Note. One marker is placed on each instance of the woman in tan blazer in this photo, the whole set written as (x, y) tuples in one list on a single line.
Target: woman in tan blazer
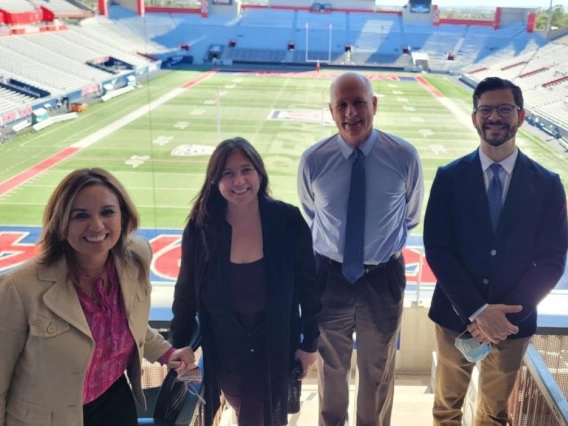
[(74, 318)]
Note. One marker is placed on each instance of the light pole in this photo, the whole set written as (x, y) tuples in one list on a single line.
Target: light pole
[(550, 9)]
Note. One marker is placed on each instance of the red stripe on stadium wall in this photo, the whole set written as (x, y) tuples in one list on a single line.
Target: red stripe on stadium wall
[(22, 177)]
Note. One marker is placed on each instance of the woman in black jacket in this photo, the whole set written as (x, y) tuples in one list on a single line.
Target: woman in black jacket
[(247, 270)]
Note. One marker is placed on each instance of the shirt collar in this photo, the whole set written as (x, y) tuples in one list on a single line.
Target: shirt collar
[(365, 147), (508, 163)]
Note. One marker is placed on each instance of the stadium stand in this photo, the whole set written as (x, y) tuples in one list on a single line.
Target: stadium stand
[(541, 74), (117, 36), (58, 6), (36, 47), (17, 6), (14, 65)]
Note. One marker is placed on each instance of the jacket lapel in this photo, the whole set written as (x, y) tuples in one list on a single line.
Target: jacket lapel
[(519, 187), (61, 298), (127, 280), (269, 223), (474, 192)]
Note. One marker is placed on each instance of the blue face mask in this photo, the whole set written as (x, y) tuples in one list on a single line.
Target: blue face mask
[(471, 349)]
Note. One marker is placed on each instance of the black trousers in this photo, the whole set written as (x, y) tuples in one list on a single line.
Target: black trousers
[(245, 395), (371, 307), (115, 407)]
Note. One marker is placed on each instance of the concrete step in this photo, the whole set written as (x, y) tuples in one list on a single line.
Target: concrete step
[(412, 403)]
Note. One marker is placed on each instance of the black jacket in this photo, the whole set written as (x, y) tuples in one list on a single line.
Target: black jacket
[(291, 286)]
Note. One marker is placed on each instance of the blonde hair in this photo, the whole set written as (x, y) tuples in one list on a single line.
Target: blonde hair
[(53, 241)]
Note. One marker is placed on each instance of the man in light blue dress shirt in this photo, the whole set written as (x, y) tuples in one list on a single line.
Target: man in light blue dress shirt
[(362, 192)]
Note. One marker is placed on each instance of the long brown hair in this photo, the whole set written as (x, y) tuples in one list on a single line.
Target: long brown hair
[(209, 206), (53, 241)]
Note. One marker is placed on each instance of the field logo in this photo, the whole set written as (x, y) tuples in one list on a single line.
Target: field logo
[(306, 116), (16, 247), (191, 150)]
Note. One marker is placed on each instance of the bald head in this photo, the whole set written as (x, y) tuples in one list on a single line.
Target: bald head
[(353, 106), (350, 78)]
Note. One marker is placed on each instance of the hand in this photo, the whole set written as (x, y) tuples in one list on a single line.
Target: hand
[(307, 359), (493, 323), (182, 360), (474, 330)]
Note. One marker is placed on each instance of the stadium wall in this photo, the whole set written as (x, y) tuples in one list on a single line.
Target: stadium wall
[(136, 6), (473, 22), (553, 34), (510, 15), (224, 9), (352, 4), (416, 18), (159, 9), (23, 18), (103, 7), (290, 3)]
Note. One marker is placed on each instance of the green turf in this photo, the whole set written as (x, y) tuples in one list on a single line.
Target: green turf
[(163, 185)]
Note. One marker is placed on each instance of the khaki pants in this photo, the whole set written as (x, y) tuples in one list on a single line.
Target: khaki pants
[(497, 375)]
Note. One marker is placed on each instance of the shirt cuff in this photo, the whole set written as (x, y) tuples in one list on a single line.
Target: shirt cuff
[(164, 358), (476, 313)]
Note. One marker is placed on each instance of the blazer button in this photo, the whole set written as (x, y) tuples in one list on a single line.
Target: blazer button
[(485, 281), (51, 329), (493, 252)]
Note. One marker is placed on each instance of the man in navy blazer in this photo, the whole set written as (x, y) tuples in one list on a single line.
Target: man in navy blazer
[(496, 237)]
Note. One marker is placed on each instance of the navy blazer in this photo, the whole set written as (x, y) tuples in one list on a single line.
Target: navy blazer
[(518, 265)]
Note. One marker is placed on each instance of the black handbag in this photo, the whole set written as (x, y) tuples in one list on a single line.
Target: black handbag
[(295, 388)]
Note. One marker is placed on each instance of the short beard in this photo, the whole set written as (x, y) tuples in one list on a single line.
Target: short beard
[(497, 142)]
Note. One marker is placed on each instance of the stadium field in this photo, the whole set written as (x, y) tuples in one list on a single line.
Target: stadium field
[(157, 139)]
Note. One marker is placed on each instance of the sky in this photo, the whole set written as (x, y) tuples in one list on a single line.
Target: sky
[(468, 3)]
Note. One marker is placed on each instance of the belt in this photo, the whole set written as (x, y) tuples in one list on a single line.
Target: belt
[(370, 268)]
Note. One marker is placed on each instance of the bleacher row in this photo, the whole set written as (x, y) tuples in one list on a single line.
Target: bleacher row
[(58, 6), (542, 74), (56, 62)]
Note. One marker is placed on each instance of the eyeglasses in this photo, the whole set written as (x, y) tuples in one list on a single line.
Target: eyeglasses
[(504, 110)]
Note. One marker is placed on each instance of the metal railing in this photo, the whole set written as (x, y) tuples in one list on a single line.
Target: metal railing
[(539, 395)]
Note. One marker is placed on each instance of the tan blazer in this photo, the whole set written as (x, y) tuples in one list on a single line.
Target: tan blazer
[(46, 344)]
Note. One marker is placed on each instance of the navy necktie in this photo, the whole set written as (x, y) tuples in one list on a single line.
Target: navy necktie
[(495, 195), (353, 263)]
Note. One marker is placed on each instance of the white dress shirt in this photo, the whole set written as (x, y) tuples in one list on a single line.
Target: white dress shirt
[(508, 165)]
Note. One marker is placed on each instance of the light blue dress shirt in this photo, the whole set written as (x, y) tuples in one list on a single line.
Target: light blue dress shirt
[(395, 190)]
